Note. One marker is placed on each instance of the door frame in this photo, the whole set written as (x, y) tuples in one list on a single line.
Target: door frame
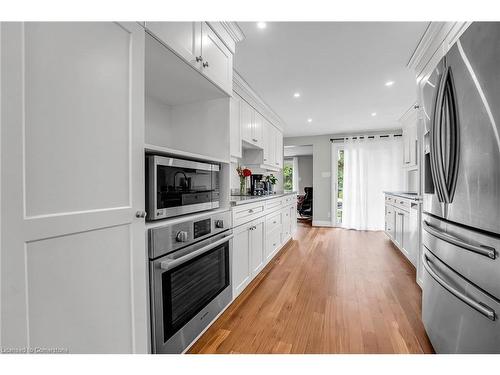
[(335, 148)]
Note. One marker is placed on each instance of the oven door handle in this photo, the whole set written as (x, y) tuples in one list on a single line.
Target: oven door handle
[(172, 263)]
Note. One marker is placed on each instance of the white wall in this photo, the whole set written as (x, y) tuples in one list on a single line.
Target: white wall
[(322, 169), (305, 171)]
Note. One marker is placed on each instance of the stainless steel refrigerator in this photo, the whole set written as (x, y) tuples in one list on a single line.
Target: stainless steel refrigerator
[(461, 220)]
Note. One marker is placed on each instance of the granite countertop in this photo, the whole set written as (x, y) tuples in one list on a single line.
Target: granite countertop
[(236, 200), (406, 195)]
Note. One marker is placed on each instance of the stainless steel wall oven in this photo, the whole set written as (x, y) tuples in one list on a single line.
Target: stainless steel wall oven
[(190, 278)]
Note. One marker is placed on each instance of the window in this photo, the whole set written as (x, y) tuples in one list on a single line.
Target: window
[(288, 175)]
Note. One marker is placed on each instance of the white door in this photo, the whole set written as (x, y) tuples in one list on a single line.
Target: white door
[(235, 136), (240, 259), (337, 183), (182, 37), (217, 62), (74, 272), (257, 245)]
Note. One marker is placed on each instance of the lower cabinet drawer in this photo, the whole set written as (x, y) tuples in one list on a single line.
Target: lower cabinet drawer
[(273, 204), (247, 213), (273, 221), (273, 242)]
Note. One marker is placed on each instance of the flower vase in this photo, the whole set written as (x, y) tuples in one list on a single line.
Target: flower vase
[(243, 186)]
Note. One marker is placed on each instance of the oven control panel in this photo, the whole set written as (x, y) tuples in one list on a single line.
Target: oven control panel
[(186, 231)]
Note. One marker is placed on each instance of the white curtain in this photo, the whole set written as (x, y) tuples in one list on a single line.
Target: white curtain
[(371, 166)]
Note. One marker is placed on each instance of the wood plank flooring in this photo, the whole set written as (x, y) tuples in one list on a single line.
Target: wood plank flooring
[(330, 291)]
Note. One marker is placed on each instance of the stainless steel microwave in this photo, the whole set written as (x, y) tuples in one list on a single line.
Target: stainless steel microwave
[(176, 187)]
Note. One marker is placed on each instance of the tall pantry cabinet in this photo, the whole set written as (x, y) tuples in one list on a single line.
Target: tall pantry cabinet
[(73, 270)]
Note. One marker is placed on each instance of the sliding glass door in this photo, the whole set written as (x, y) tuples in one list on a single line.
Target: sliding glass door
[(337, 183)]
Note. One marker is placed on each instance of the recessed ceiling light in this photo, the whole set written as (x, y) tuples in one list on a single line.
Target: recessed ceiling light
[(296, 95), (309, 120), (261, 25), (389, 83), (374, 114)]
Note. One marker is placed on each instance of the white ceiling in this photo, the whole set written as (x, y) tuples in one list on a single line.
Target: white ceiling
[(339, 68)]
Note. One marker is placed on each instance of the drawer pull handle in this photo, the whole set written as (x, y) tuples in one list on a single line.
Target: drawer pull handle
[(478, 249), (478, 306), (250, 211)]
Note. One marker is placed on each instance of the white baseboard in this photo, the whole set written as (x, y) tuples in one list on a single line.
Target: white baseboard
[(322, 223)]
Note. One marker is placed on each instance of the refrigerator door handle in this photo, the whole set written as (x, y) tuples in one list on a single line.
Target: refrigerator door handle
[(486, 251), (436, 162), (478, 306)]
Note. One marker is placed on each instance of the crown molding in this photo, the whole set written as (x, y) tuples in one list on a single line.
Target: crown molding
[(247, 93), (234, 30), (436, 41)]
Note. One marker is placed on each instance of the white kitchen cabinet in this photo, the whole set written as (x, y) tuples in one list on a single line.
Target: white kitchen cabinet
[(258, 129), (240, 268), (235, 129), (278, 155), (410, 141), (74, 263), (257, 244), (200, 46), (184, 38), (269, 144), (293, 217), (401, 227), (248, 253), (246, 121), (217, 64)]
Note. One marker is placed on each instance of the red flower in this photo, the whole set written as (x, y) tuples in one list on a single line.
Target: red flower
[(247, 172)]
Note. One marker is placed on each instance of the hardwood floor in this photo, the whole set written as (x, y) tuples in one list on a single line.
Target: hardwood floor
[(329, 291)]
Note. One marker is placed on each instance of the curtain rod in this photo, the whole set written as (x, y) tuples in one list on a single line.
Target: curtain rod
[(369, 136)]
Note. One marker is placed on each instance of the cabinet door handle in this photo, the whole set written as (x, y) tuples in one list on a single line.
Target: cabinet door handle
[(140, 214), (253, 139), (199, 58), (205, 64)]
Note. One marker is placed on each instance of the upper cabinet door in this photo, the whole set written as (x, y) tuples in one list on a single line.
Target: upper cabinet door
[(279, 149), (235, 131), (217, 62), (246, 121), (268, 143), (182, 37), (258, 129)]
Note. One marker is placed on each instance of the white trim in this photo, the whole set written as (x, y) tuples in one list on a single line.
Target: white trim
[(295, 174), (333, 184), (247, 93), (234, 30), (434, 44), (322, 223), (171, 151)]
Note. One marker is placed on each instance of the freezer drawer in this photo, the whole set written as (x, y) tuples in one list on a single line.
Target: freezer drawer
[(458, 317), (472, 254)]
